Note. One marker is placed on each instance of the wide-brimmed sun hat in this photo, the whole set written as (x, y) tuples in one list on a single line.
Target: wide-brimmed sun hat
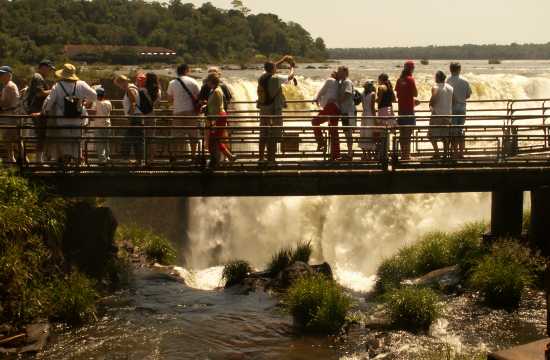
[(120, 78), (68, 72)]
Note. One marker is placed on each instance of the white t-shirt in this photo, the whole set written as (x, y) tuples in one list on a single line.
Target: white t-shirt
[(442, 99), (328, 93), (462, 92), (55, 104), (102, 108), (182, 100), (126, 103), (347, 106)]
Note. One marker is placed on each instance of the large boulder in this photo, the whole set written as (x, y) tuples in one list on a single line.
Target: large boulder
[(89, 238), (445, 279), (294, 272), (323, 269)]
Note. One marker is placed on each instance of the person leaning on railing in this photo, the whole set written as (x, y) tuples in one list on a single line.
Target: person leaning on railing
[(271, 101), (441, 103), (134, 136), (37, 93), (327, 99), (9, 100)]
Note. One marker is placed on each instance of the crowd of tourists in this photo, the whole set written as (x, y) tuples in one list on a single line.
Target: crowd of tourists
[(60, 112), (338, 101)]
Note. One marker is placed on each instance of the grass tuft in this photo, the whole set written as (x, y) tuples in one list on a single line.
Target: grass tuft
[(235, 272), (413, 308), (73, 298), (302, 252), (318, 304), (280, 260)]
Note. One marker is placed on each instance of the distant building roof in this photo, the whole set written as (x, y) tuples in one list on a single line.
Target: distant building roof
[(73, 51)]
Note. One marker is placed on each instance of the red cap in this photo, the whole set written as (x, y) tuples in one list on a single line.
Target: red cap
[(409, 63)]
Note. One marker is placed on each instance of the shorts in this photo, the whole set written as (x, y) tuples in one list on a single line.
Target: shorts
[(406, 120), (459, 120), (193, 134), (275, 120)]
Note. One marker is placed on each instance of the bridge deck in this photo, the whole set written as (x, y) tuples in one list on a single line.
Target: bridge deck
[(510, 151)]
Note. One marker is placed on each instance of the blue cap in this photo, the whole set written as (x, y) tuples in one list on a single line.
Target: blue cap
[(5, 69), (100, 91)]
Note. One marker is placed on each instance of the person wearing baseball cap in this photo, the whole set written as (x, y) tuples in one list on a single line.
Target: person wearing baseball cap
[(9, 100), (407, 94), (38, 91)]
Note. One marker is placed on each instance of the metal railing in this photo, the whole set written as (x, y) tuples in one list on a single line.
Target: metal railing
[(158, 145)]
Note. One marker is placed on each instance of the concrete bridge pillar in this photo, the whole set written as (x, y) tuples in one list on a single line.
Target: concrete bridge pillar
[(506, 213), (539, 228), (539, 235)]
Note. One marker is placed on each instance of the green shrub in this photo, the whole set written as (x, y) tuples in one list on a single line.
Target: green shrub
[(466, 246), (503, 274), (318, 304), (433, 251), (235, 272), (394, 269), (279, 261), (156, 248), (302, 252), (413, 308), (73, 298)]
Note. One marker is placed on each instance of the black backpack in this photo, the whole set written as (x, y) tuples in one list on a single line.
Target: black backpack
[(145, 103), (72, 105)]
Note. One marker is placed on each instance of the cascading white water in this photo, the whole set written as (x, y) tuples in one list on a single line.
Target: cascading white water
[(353, 234)]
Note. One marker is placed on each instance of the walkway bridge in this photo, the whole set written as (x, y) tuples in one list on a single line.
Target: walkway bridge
[(507, 148)]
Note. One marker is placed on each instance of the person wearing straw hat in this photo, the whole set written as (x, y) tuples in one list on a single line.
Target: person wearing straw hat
[(9, 100), (66, 102)]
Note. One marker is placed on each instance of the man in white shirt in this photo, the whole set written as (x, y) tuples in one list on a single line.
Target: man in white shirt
[(461, 93), (347, 106), (327, 99), (9, 100), (183, 95)]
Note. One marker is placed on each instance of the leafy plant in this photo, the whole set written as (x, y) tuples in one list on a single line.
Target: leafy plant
[(73, 298), (413, 308), (318, 304), (156, 248)]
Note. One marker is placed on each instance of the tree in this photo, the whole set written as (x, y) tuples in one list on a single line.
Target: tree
[(239, 6)]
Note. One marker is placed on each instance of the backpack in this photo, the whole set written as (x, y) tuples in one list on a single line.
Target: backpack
[(72, 105), (145, 102), (357, 97)]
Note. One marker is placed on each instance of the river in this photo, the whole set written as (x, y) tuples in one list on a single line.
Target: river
[(158, 317)]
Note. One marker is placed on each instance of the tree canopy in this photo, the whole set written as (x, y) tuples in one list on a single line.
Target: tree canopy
[(33, 29), (513, 51)]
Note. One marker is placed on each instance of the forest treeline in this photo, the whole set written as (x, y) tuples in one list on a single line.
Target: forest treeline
[(513, 51), (34, 29)]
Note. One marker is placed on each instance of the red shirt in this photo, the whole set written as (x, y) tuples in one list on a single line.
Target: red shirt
[(406, 92)]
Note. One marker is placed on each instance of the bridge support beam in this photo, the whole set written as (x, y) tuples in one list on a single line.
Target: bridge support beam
[(506, 213)]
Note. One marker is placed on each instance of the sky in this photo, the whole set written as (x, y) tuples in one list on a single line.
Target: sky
[(368, 23)]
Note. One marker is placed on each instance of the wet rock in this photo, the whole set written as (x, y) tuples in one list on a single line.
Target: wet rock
[(37, 337), (446, 279), (5, 329), (88, 241), (323, 269), (294, 272)]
